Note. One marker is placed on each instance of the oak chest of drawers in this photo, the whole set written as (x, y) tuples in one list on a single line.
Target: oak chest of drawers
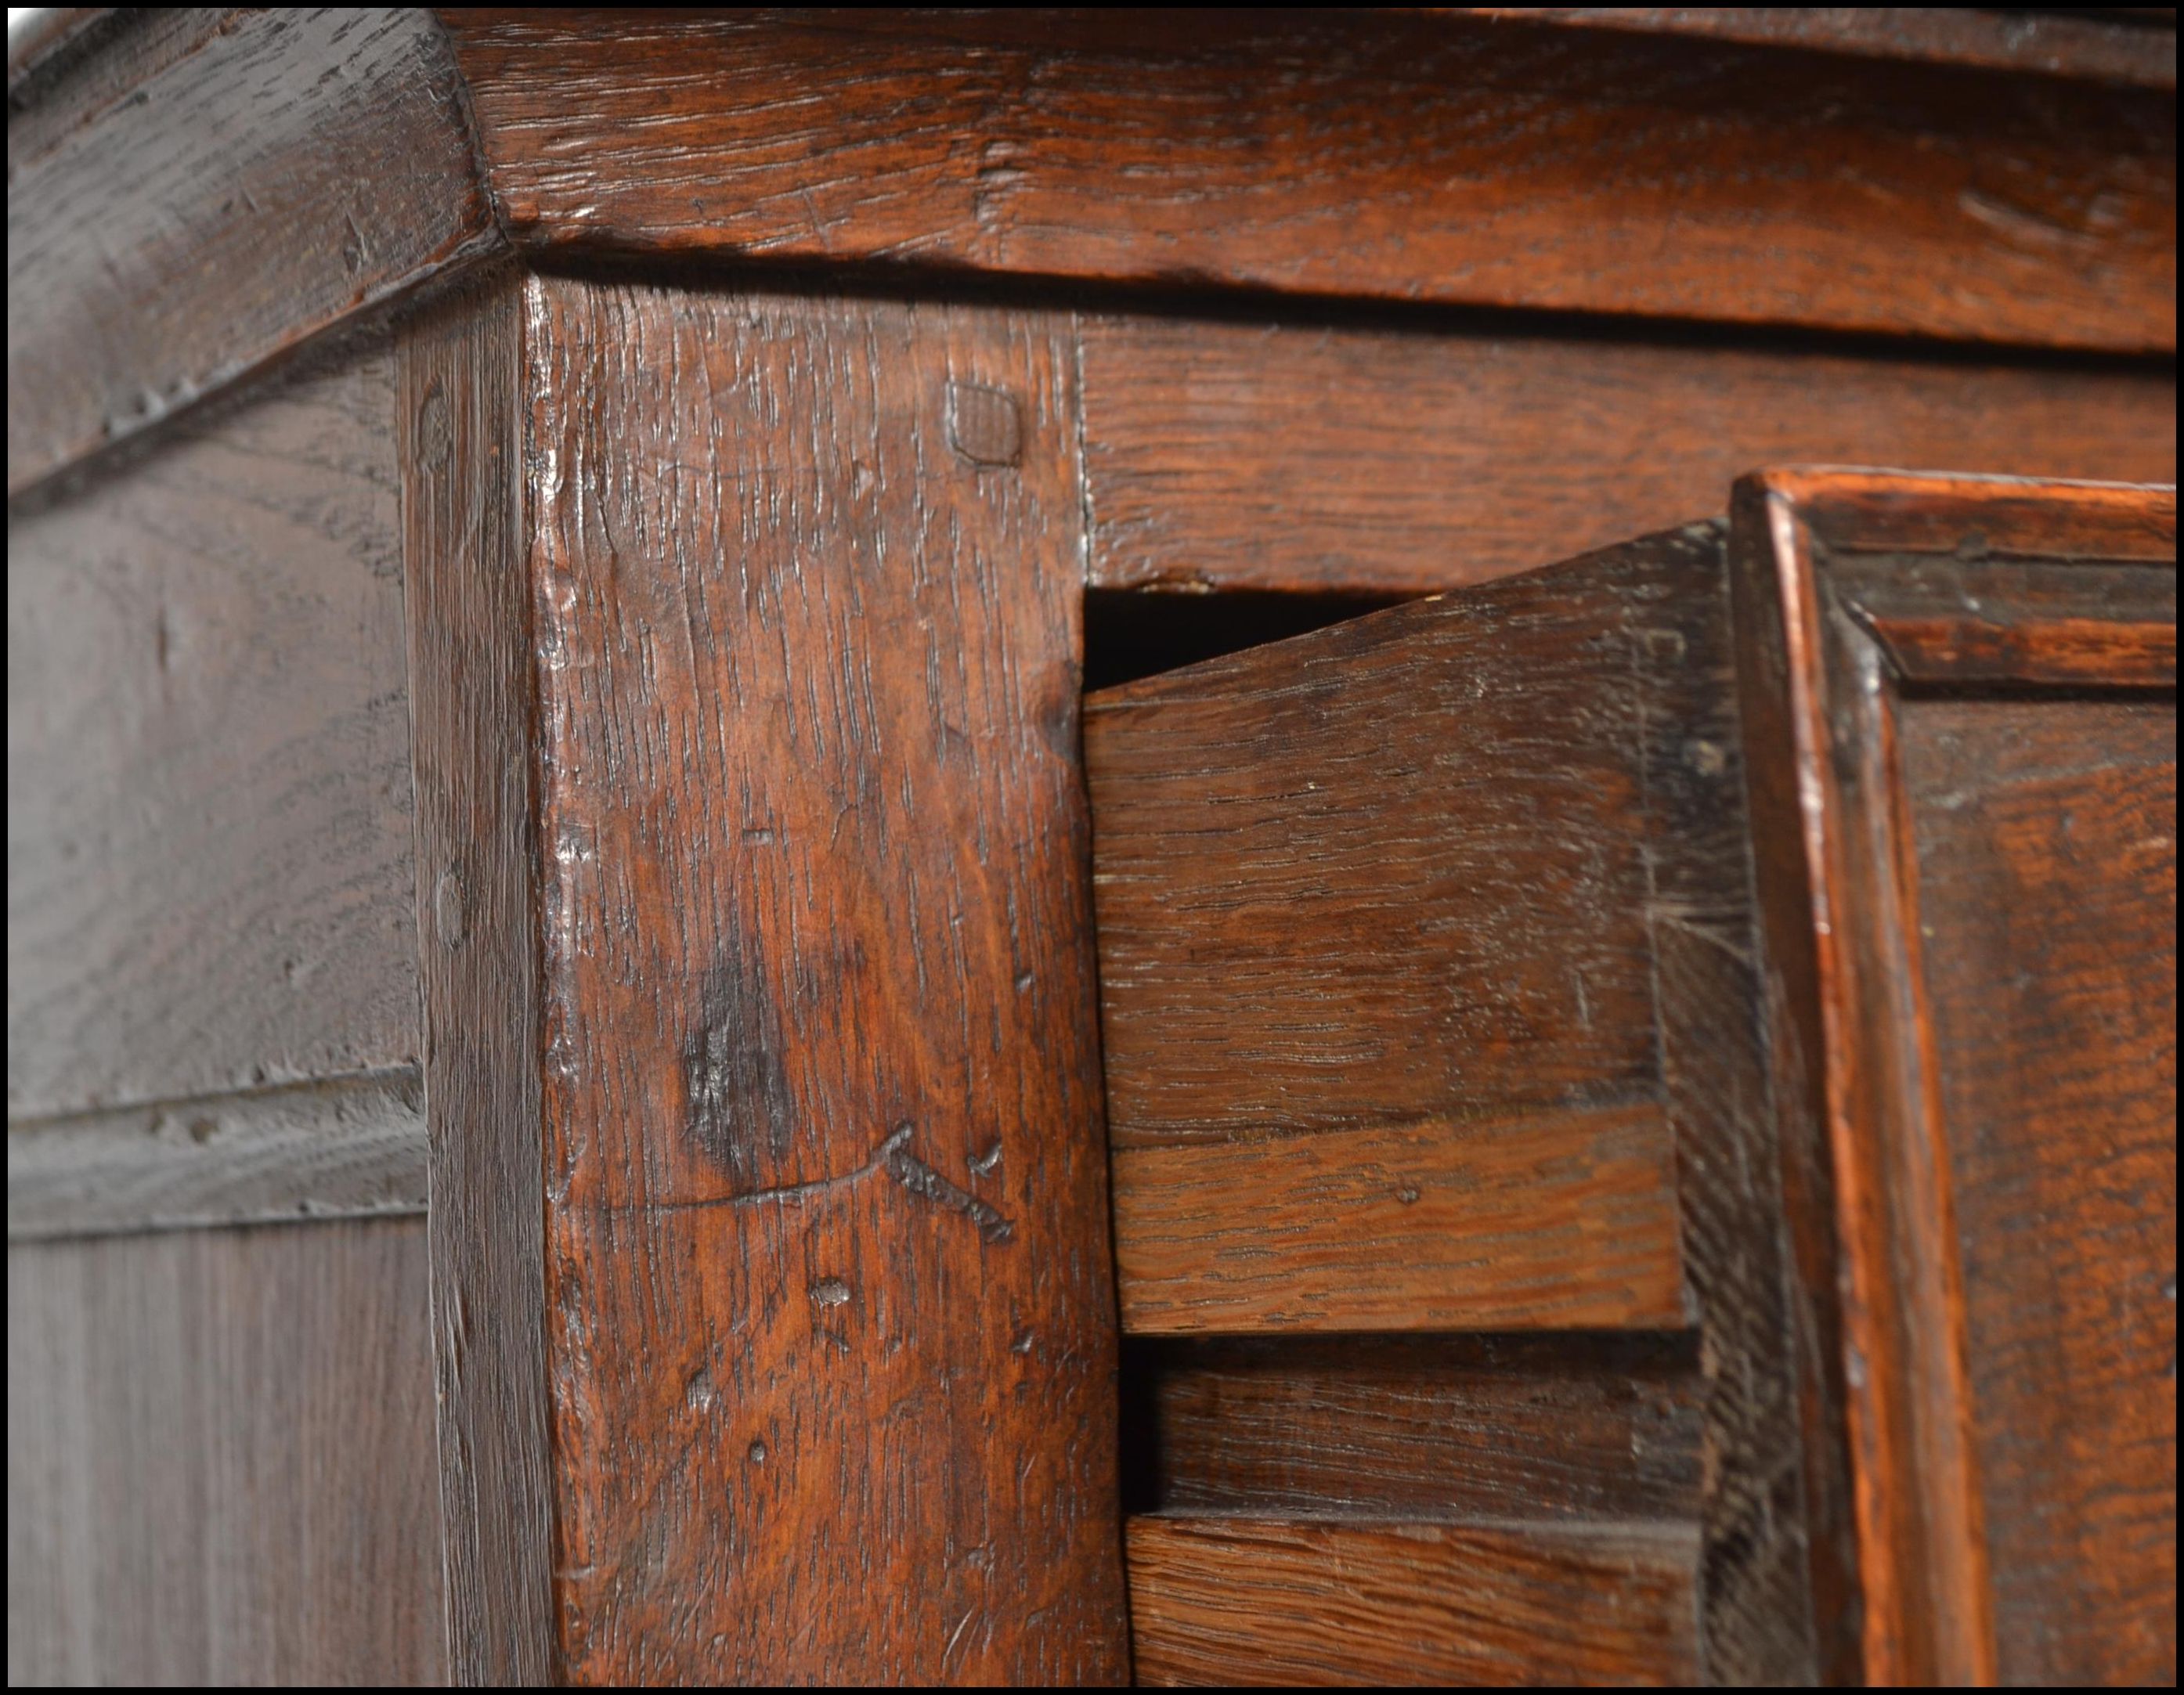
[(1023, 846)]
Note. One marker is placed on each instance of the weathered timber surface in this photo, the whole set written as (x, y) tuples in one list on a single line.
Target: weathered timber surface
[(221, 1460), (459, 422), (2046, 834), (1413, 156), (314, 161), (1709, 1000), (1418, 1429), (1981, 1257), (1387, 873), (2006, 622), (1242, 1601), (348, 1147), (1289, 457), (830, 1314), (2116, 45), (1561, 1220), (1393, 905), (208, 859), (1931, 173)]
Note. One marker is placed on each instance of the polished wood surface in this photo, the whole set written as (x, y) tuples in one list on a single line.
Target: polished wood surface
[(828, 1289), (220, 1463), (705, 457), (1561, 1220), (1257, 1601), (2045, 834), (1341, 456), (1972, 179), (1419, 156), (1997, 1211), (1430, 1004)]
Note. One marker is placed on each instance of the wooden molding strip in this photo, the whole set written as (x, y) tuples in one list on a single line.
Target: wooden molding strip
[(1412, 155), (2056, 623), (1853, 509), (349, 1148), (2097, 50), (458, 420), (321, 162), (287, 171)]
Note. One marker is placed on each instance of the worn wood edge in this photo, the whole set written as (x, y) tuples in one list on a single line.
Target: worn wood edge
[(2059, 652), (1193, 1256), (1764, 637), (1924, 1574), (1999, 622), (1451, 1570), (343, 1148), (879, 1463), (181, 257), (473, 702), (585, 222), (1920, 1183), (1911, 1496), (1755, 1611), (1784, 555), (1854, 509), (2057, 45)]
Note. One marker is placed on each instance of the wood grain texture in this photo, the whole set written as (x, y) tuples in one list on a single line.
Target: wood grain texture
[(1370, 879), (459, 419), (351, 1147), (2046, 835), (1857, 968), (1853, 511), (2109, 45), (1947, 620), (1714, 1087), (1241, 1601), (315, 161), (1444, 1428), (1564, 1221), (1379, 880), (831, 1313), (1384, 154), (219, 1460), (208, 860), (1289, 457), (94, 71)]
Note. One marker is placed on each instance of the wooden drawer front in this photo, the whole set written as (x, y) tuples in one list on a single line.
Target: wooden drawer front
[(1971, 898), (1394, 1100), (1377, 978), (1475, 1183)]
